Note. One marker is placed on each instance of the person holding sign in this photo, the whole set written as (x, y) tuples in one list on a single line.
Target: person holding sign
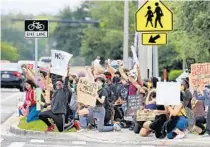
[(99, 110), (28, 109), (58, 106), (178, 122), (156, 125)]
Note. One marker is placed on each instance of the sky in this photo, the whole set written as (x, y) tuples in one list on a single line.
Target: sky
[(36, 7)]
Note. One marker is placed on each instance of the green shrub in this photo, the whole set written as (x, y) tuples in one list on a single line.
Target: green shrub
[(174, 74)]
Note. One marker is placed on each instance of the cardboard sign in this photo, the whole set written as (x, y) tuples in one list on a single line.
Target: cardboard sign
[(60, 61), (38, 98), (142, 115), (134, 104), (200, 75), (168, 93), (86, 92)]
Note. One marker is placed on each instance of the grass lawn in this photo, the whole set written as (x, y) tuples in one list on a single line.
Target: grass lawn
[(37, 125)]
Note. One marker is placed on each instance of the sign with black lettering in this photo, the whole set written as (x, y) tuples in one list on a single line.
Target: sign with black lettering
[(59, 62), (36, 28), (134, 104), (86, 92)]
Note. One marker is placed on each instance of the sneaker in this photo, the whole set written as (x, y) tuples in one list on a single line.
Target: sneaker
[(180, 136), (50, 128), (76, 125), (117, 127)]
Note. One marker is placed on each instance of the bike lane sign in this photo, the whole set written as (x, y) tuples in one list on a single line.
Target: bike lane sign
[(36, 28)]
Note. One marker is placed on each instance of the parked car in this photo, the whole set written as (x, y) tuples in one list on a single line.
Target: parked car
[(11, 76)]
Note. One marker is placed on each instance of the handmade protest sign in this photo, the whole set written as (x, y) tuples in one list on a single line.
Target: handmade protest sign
[(59, 62), (142, 115), (200, 76), (86, 92), (168, 93), (38, 98), (134, 104)]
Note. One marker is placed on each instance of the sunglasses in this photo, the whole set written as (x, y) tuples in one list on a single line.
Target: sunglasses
[(58, 84)]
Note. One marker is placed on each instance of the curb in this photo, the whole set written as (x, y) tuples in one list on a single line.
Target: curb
[(95, 138)]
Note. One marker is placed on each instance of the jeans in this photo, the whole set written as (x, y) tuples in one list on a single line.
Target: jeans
[(181, 124), (33, 114), (99, 116), (84, 120), (124, 108), (208, 121)]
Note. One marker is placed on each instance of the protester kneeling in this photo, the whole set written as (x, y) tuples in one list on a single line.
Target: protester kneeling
[(99, 110), (28, 109), (58, 107)]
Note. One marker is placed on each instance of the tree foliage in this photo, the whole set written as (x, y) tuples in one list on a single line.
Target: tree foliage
[(8, 52)]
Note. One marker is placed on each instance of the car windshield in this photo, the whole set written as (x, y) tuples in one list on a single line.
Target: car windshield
[(9, 67)]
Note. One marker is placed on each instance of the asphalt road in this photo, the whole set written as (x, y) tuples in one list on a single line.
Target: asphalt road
[(9, 100)]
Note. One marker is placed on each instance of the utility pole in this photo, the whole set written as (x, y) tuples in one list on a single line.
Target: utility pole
[(126, 32)]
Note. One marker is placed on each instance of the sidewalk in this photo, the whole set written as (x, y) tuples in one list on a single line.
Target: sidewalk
[(123, 137)]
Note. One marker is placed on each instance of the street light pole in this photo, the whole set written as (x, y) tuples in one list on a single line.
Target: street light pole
[(126, 32)]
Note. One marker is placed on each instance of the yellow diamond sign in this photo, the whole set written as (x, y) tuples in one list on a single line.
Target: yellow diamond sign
[(154, 38), (154, 16)]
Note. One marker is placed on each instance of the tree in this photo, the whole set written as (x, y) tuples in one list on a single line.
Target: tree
[(8, 52), (69, 36), (107, 39)]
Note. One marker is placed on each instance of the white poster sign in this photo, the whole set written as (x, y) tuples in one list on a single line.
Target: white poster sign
[(60, 60), (135, 58), (168, 93)]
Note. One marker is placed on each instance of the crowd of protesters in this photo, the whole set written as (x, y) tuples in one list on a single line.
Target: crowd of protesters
[(60, 107)]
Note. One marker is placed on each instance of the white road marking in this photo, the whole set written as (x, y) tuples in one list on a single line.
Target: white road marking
[(9, 97), (17, 144), (79, 142), (35, 140)]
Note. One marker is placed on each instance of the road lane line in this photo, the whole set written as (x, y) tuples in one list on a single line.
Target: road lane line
[(17, 144), (9, 97), (36, 141), (79, 142)]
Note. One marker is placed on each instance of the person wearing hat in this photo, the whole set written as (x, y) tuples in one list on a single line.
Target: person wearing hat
[(99, 109)]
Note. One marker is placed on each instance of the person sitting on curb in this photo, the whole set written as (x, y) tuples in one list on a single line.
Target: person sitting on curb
[(28, 109), (58, 106)]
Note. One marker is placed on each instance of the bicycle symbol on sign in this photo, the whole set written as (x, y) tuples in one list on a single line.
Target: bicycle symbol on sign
[(36, 25)]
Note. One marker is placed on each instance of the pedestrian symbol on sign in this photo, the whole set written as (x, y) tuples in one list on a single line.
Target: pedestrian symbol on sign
[(159, 13), (154, 16)]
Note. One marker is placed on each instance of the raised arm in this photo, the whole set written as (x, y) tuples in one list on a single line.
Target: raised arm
[(110, 69), (122, 72), (133, 81), (139, 75), (198, 97)]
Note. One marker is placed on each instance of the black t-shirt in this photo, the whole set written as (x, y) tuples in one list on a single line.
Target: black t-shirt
[(102, 92), (123, 92)]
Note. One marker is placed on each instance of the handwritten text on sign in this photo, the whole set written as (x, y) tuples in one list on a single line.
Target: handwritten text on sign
[(60, 61), (142, 115), (134, 104), (200, 75), (87, 90)]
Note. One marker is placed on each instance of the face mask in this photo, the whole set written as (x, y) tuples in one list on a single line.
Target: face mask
[(149, 84), (182, 88), (116, 79)]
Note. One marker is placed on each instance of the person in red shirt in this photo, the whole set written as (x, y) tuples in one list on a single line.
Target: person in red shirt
[(28, 109)]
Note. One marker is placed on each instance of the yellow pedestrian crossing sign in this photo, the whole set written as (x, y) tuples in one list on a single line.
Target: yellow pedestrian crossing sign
[(154, 16), (154, 38)]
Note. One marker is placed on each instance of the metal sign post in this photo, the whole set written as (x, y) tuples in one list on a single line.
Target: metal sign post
[(36, 56)]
